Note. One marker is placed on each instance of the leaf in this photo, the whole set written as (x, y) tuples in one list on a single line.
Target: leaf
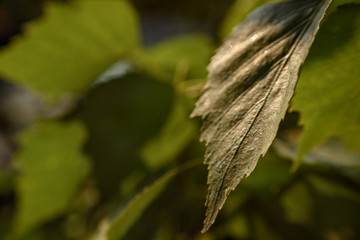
[(52, 165), (176, 134), (328, 91), (251, 80), (62, 53)]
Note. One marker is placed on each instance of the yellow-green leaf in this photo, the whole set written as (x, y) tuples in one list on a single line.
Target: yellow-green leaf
[(63, 52), (328, 95), (51, 166)]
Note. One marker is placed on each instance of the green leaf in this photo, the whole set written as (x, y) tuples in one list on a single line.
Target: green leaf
[(237, 13), (62, 53), (328, 90), (251, 80), (177, 132), (51, 167)]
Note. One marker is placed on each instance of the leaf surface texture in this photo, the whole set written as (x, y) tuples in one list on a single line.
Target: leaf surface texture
[(251, 81)]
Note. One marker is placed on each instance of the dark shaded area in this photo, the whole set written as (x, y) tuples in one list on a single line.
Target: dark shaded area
[(196, 15), (121, 115)]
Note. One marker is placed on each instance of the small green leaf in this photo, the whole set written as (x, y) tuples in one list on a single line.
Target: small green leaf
[(62, 53), (177, 132), (51, 166), (328, 92)]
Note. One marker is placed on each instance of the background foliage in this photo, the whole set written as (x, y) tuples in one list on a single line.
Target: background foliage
[(96, 142)]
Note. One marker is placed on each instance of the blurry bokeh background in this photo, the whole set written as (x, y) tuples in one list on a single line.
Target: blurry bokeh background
[(76, 155)]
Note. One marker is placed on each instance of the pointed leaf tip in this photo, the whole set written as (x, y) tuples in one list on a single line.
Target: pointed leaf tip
[(251, 81)]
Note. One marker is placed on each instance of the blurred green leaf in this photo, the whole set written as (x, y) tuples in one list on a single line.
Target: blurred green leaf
[(52, 166), (193, 52), (238, 12), (328, 89), (177, 132), (63, 52)]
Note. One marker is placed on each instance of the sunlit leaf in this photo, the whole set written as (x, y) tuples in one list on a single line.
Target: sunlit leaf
[(64, 51), (328, 92), (51, 165), (252, 78)]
